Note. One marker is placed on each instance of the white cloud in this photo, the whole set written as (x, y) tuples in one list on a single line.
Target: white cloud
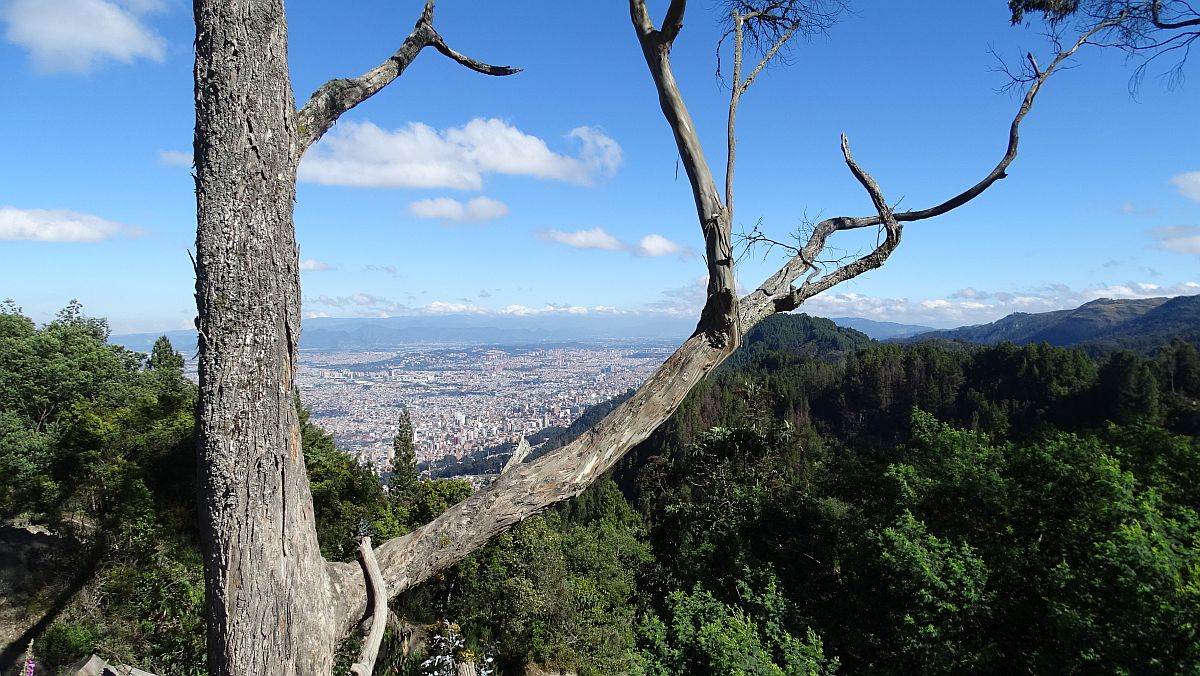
[(1184, 239), (362, 154), (600, 153), (552, 309), (657, 245), (598, 238), (59, 225), (314, 265), (439, 307), (477, 210), (175, 158), (1188, 184), (74, 35)]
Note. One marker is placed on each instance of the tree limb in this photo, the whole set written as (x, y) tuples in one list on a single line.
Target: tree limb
[(776, 293), (1156, 19), (673, 21), (718, 319), (337, 96), (379, 598), (1010, 153), (657, 54), (873, 260)]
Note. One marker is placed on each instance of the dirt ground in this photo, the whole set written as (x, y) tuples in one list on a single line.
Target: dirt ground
[(31, 559)]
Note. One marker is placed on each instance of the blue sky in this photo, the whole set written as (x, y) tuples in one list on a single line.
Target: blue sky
[(555, 190)]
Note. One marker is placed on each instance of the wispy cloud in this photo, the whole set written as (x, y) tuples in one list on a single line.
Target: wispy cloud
[(386, 269), (1131, 209), (1184, 239), (683, 301), (651, 245), (446, 209), (59, 225), (362, 154), (357, 304), (1188, 184), (314, 265), (175, 158), (75, 35)]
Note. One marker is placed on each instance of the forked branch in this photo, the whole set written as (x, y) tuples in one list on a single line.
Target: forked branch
[(777, 293), (872, 260), (1039, 78), (337, 96)]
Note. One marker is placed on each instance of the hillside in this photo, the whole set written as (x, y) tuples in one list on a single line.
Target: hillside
[(797, 334), (881, 330), (1099, 324)]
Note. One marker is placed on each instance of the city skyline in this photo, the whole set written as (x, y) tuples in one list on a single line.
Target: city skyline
[(462, 399)]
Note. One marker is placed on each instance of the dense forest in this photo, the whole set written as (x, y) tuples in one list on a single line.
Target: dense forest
[(823, 504)]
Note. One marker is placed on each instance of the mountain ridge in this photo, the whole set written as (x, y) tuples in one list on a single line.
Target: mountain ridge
[(1104, 323)]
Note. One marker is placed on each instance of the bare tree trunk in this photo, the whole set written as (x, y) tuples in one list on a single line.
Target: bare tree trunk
[(267, 591)]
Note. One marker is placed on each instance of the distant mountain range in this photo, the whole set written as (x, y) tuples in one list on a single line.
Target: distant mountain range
[(330, 333), (1104, 323), (1100, 324), (881, 330)]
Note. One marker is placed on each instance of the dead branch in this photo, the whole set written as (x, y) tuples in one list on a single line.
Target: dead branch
[(337, 96), (379, 598)]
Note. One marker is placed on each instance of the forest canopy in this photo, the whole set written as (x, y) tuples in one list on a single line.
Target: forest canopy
[(825, 505)]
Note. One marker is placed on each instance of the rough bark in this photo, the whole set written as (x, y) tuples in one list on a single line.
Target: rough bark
[(268, 592), (265, 576)]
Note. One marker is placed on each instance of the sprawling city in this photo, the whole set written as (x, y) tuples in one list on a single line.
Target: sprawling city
[(462, 399)]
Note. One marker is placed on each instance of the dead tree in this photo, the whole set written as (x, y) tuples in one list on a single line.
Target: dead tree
[(274, 605)]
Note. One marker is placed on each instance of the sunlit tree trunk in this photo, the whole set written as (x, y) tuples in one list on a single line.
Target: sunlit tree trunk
[(267, 591)]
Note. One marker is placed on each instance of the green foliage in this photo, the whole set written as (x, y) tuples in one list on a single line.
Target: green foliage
[(98, 442), (1128, 388), (1055, 10), (708, 636), (348, 499), (404, 458), (935, 595), (63, 643), (798, 335), (557, 590), (981, 539), (896, 509)]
